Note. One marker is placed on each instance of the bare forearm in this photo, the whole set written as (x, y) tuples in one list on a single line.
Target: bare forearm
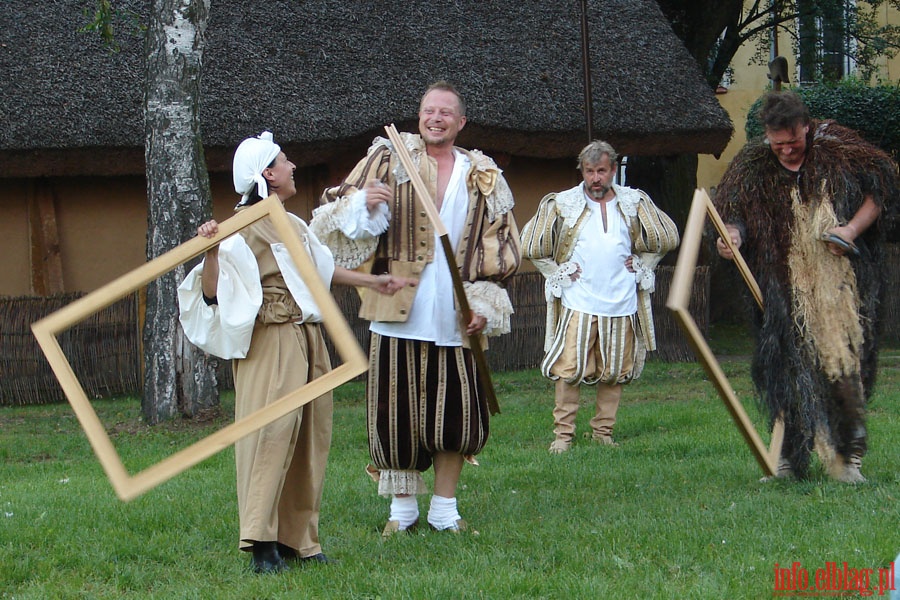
[(384, 284), (864, 217), (861, 221), (209, 277), (344, 276)]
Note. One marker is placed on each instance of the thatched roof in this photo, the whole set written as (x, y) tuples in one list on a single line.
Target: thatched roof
[(326, 75)]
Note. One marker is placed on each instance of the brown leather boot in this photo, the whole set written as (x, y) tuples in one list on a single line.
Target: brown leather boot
[(608, 397), (564, 413)]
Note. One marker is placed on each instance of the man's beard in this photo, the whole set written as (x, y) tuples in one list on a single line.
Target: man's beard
[(597, 194)]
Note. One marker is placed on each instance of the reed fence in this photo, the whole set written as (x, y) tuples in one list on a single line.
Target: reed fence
[(104, 350)]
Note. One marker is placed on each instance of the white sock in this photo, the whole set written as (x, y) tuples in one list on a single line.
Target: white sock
[(405, 510), (443, 512)]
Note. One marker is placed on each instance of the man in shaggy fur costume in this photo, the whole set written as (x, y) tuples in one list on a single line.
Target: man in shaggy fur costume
[(807, 207)]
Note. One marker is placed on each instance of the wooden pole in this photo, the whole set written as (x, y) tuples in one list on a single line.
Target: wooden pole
[(46, 261), (431, 211), (586, 71)]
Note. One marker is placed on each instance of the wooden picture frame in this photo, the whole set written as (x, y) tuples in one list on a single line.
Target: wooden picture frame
[(677, 302), (128, 486)]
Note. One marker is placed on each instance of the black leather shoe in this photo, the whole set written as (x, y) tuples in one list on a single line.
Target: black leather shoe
[(287, 553), (266, 558), (317, 558)]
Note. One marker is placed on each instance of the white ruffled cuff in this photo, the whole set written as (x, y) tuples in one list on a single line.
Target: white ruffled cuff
[(643, 274), (359, 223), (561, 278), (492, 302), (346, 227)]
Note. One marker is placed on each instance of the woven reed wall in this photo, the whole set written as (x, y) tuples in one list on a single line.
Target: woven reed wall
[(523, 347), (104, 349)]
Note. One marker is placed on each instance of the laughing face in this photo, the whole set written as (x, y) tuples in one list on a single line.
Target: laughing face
[(789, 145), (281, 177), (440, 120)]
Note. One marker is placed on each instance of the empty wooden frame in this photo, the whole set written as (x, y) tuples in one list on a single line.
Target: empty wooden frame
[(127, 486), (679, 298)]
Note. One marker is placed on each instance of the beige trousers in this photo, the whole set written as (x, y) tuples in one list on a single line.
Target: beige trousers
[(281, 467)]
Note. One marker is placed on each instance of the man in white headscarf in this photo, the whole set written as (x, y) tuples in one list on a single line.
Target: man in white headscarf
[(247, 301)]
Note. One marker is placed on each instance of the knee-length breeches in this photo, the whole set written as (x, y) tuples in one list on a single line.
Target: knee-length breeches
[(422, 399), (590, 349)]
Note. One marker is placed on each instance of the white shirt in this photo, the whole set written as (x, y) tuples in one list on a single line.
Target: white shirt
[(433, 316), (605, 287)]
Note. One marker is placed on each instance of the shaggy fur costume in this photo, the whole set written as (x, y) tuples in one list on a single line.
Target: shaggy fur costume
[(816, 351)]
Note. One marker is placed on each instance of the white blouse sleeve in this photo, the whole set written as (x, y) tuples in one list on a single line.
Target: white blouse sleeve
[(348, 229), (223, 329), (359, 223)]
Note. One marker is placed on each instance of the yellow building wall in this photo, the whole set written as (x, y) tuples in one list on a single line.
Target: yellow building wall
[(750, 81), (101, 223)]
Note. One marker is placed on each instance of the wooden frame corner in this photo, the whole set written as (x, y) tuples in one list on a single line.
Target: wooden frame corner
[(128, 486), (678, 301)]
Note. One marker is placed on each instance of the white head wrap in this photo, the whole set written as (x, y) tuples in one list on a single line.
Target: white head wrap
[(251, 158)]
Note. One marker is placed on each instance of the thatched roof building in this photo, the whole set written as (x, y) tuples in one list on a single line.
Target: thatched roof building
[(326, 75)]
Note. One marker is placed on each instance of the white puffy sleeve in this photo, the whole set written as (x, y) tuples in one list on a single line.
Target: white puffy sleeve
[(223, 329), (492, 302), (321, 258)]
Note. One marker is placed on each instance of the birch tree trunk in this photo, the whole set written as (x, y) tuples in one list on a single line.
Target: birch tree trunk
[(178, 378)]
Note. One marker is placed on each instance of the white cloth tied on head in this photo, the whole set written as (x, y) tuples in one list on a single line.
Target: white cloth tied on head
[(251, 158)]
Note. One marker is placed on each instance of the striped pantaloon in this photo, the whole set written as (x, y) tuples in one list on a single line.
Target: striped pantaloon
[(421, 399)]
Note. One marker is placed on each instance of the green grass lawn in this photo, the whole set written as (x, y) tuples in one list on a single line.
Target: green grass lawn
[(676, 512)]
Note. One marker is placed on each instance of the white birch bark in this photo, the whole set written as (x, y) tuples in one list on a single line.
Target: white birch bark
[(178, 378)]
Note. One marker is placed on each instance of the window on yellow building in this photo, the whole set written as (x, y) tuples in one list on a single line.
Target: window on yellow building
[(824, 47)]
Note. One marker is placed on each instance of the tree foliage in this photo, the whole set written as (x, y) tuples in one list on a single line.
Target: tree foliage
[(714, 30), (106, 20)]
